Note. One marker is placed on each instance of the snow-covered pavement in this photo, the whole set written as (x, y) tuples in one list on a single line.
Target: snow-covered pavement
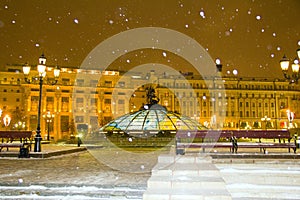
[(82, 175)]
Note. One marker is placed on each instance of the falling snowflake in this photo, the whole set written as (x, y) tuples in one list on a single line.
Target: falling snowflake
[(258, 17), (128, 61), (202, 14), (186, 26), (76, 21), (164, 54), (37, 44), (20, 181), (235, 72), (110, 21), (6, 6), (13, 21)]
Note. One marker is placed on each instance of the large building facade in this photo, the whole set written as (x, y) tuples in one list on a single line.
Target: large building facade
[(88, 99)]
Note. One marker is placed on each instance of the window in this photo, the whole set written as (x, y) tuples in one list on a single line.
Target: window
[(93, 82), (17, 100), (64, 125), (80, 82), (247, 113), (34, 98), (79, 100), (121, 101), (65, 99), (107, 101), (94, 101), (65, 81), (121, 84), (50, 99), (79, 119)]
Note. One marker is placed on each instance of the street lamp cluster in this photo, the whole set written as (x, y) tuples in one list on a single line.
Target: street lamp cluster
[(49, 118), (285, 63), (41, 68)]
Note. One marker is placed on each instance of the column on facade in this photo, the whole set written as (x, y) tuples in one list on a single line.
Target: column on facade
[(57, 110)]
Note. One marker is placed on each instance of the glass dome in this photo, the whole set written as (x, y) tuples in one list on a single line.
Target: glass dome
[(152, 119)]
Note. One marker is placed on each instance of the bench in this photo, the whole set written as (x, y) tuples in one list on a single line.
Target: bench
[(280, 135), (230, 139), (203, 139), (15, 139)]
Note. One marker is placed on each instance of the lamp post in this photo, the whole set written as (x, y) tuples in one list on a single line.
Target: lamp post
[(266, 120), (49, 117), (290, 116), (285, 63), (6, 120), (41, 68)]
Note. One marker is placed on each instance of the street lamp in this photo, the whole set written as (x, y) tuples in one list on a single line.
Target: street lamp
[(290, 116), (49, 117), (6, 120), (284, 64), (41, 68), (266, 120)]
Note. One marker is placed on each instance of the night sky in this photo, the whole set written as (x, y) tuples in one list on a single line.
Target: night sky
[(248, 35)]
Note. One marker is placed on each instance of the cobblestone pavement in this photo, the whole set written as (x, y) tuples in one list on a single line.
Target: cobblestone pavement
[(105, 175), (73, 169), (99, 173)]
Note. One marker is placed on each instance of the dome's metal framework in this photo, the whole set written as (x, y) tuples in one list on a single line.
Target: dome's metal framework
[(152, 119)]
